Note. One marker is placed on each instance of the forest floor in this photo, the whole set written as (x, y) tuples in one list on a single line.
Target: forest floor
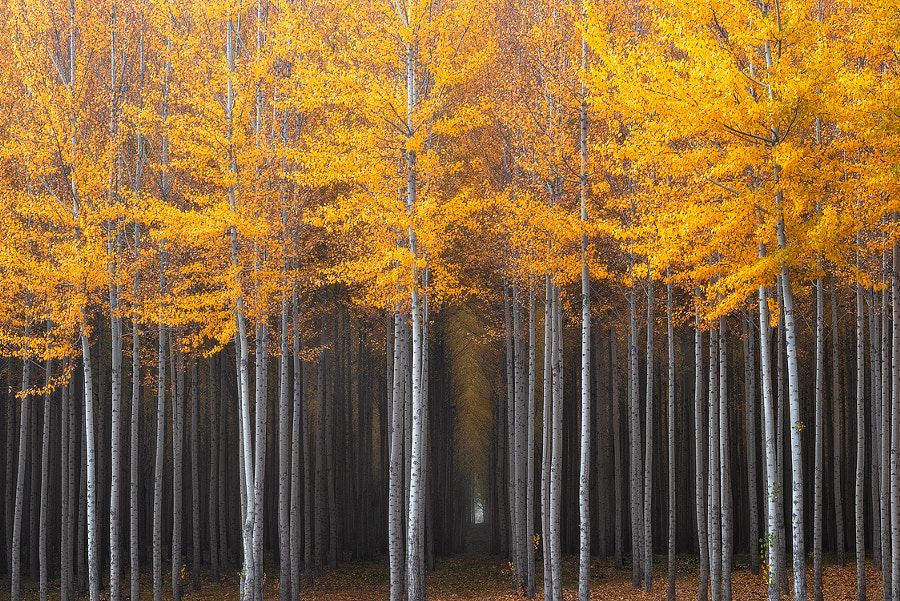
[(483, 577)]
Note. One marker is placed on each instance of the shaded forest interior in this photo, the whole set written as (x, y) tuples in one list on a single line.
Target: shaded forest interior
[(344, 378)]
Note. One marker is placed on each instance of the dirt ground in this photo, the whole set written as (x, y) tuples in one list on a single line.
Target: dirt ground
[(486, 577)]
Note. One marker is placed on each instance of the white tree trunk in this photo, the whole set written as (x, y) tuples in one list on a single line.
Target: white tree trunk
[(699, 461), (556, 457), (818, 506), (45, 493), (860, 448), (285, 580), (836, 428), (637, 472), (16, 563), (647, 554), (773, 494), (395, 496), (895, 433), (547, 438), (92, 520), (584, 559), (714, 527), (670, 420)]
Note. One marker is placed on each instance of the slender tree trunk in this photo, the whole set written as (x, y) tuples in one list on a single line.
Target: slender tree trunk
[(781, 536), (45, 480), (700, 462), (158, 464), (556, 458), (134, 467), (298, 430), (750, 409), (772, 491), (648, 449), (213, 470), (92, 519), (65, 499), (511, 434), (584, 560), (818, 506), (836, 428), (637, 471), (115, 327), (617, 447), (547, 439), (798, 547), (725, 465), (195, 482), (670, 410), (16, 572), (177, 465), (860, 447), (529, 501), (285, 580), (395, 498), (715, 467), (895, 421), (321, 518)]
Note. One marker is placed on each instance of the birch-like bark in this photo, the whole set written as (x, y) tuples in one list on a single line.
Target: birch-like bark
[(177, 463), (547, 438), (556, 457), (895, 420), (285, 580), (750, 409), (773, 493), (321, 519), (725, 465), (836, 429), (395, 496), (134, 476), (670, 410), (158, 462), (647, 554), (714, 472), (818, 505), (637, 472), (297, 439), (195, 482), (510, 431), (15, 578), (529, 501), (45, 493), (700, 461), (521, 423), (617, 447), (213, 471), (66, 465), (584, 560), (860, 447)]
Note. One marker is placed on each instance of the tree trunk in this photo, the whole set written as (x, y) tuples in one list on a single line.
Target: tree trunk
[(584, 560), (670, 410), (15, 574), (213, 470), (700, 463), (158, 464), (547, 439), (617, 446), (285, 579), (725, 465), (750, 408), (772, 491), (511, 434), (648, 449), (836, 429), (529, 501), (637, 472), (860, 447), (820, 432), (715, 480), (321, 519), (557, 450), (65, 499), (45, 480), (395, 498), (177, 464), (195, 482), (895, 434)]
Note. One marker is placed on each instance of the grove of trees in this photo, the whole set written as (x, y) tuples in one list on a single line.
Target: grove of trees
[(322, 281)]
